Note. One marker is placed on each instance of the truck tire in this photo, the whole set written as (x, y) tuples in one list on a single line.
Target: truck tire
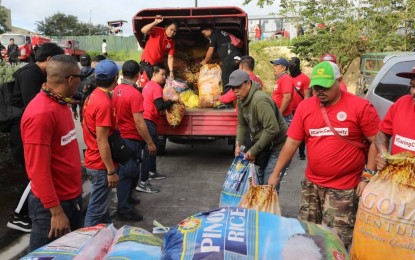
[(161, 145)]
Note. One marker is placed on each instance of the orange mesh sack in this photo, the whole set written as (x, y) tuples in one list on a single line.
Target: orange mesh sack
[(385, 220), (175, 113), (261, 197), (209, 85)]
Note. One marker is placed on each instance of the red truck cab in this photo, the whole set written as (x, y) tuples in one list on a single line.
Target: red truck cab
[(198, 123), (71, 47)]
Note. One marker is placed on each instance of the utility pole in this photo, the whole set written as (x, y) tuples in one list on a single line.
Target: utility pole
[(90, 24), (195, 3)]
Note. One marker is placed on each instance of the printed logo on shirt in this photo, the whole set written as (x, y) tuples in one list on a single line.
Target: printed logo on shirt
[(69, 137), (299, 83), (168, 46), (275, 87), (341, 116), (405, 143), (325, 131)]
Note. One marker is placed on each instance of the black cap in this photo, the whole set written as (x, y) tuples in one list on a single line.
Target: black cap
[(86, 57), (294, 61)]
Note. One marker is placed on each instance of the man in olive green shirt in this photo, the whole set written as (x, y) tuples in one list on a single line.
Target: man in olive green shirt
[(261, 127)]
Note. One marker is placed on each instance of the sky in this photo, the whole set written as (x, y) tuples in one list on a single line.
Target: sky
[(25, 13)]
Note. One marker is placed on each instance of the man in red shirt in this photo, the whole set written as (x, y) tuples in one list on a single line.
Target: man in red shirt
[(160, 41), (247, 64), (51, 152), (284, 88), (128, 105), (335, 165), (99, 123), (153, 104), (301, 92), (398, 124)]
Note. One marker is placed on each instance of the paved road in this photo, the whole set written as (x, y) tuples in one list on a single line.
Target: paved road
[(195, 177)]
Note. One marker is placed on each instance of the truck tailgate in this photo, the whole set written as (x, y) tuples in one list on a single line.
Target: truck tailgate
[(201, 122)]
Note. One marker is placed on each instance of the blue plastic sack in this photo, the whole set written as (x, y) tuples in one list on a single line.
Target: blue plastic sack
[(238, 233), (236, 182)]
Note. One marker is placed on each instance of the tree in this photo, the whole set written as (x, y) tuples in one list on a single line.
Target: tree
[(3, 19), (68, 25)]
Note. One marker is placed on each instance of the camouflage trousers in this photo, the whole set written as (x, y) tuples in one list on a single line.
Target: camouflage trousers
[(333, 208)]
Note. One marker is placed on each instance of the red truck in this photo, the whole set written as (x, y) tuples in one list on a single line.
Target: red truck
[(71, 47), (25, 42), (198, 123)]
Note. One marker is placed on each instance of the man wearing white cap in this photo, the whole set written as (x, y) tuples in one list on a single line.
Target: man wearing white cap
[(333, 124), (398, 124)]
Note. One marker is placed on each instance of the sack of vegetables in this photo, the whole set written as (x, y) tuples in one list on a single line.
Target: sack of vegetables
[(175, 114)]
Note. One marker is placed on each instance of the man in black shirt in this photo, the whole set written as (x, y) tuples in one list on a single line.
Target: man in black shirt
[(221, 42), (13, 52)]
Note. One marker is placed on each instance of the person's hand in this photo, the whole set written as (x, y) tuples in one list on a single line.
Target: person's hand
[(203, 62), (113, 180), (360, 188), (59, 223), (75, 114), (159, 19), (249, 156), (237, 150), (152, 149), (274, 180), (171, 75), (380, 162)]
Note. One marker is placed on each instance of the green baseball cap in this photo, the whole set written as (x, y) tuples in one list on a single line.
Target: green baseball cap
[(325, 74)]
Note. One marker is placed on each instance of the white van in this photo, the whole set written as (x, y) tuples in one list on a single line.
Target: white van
[(386, 87)]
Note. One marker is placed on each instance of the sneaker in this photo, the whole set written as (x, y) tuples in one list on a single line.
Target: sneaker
[(156, 176), (20, 223), (302, 157), (128, 217), (146, 187)]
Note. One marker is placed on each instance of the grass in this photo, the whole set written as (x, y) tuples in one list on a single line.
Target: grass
[(122, 55)]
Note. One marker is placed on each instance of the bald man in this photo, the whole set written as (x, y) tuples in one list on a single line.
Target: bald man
[(51, 153)]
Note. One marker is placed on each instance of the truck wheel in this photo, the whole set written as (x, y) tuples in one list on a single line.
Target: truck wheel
[(161, 145)]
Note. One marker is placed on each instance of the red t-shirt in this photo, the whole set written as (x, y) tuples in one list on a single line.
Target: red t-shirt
[(229, 96), (283, 85), (127, 101), (301, 83), (151, 92), (53, 163), (157, 46), (399, 122), (332, 162), (97, 111)]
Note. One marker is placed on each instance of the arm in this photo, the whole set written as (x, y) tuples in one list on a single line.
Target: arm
[(170, 62), (105, 153), (286, 98), (147, 28), (161, 104), (370, 164), (141, 126), (307, 93), (208, 56), (382, 143), (287, 153), (242, 132)]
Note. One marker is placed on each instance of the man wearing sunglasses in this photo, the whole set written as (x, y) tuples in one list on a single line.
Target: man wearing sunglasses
[(52, 156), (260, 124), (333, 176)]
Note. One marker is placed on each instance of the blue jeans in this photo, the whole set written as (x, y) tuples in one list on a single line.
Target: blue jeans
[(128, 175), (149, 161), (99, 200), (41, 218), (288, 119), (264, 174)]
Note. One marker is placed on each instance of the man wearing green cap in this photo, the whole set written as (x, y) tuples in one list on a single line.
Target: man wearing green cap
[(337, 159)]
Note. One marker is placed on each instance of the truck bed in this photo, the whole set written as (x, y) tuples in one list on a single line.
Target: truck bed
[(201, 122)]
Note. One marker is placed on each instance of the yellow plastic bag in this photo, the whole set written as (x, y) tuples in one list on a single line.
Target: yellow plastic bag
[(209, 85), (189, 98), (261, 197), (385, 220)]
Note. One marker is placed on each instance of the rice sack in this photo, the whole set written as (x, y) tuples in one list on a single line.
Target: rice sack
[(209, 85), (238, 233)]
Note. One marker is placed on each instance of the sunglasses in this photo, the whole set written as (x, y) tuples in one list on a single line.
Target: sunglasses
[(80, 76)]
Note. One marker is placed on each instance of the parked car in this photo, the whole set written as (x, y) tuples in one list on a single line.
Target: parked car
[(386, 87)]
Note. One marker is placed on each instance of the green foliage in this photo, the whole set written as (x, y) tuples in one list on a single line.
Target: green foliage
[(260, 3), (3, 17), (64, 25), (122, 55), (6, 72)]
